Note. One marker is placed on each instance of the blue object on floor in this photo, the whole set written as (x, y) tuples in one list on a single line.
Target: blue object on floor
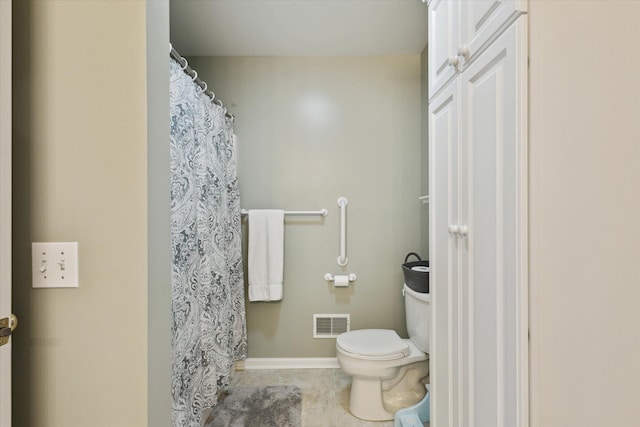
[(416, 415), (411, 420)]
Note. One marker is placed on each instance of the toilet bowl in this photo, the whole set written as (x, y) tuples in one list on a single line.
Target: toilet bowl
[(386, 370)]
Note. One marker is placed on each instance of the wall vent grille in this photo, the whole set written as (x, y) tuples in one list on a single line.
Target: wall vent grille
[(330, 325)]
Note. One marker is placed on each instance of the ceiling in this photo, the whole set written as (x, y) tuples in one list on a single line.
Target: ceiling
[(298, 27)]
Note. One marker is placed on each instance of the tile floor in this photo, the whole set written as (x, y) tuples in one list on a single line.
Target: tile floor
[(325, 394)]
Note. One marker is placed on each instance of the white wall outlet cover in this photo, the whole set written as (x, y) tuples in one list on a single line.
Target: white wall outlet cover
[(54, 264)]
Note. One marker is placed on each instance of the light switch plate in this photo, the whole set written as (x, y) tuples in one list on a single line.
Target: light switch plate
[(54, 264)]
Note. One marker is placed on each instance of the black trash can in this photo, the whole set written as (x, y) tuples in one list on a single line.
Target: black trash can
[(416, 273)]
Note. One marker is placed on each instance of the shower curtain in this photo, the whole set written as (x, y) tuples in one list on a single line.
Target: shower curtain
[(209, 327)]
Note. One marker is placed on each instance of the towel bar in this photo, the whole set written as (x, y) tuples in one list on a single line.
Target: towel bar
[(321, 212)]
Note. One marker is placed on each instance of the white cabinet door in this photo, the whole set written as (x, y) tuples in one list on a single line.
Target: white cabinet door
[(482, 19), (459, 31), (493, 98), (443, 43), (444, 204)]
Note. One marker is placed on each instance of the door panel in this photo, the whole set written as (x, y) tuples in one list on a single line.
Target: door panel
[(444, 275), (481, 19), (491, 127), (443, 42)]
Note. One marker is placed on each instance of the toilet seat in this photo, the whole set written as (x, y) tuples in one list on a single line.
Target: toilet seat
[(373, 344)]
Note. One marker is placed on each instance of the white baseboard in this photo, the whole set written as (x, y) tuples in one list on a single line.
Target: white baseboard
[(287, 363)]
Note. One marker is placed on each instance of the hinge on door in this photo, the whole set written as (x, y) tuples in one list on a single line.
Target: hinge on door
[(5, 331), (7, 325)]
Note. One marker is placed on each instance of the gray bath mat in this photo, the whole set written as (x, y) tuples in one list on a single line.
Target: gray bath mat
[(268, 406)]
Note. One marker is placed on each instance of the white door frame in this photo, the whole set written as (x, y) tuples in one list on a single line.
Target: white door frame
[(5, 205)]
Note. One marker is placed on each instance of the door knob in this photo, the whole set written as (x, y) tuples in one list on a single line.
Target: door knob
[(463, 230), (463, 51), (453, 61), (454, 229)]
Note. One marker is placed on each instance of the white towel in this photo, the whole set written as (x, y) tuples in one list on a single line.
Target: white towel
[(266, 254)]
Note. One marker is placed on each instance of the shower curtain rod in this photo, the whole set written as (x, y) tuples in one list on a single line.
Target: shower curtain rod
[(197, 80)]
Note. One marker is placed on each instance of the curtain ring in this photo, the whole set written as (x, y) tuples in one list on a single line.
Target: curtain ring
[(204, 89), (186, 64), (211, 95), (195, 76)]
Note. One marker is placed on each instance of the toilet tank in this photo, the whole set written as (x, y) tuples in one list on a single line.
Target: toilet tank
[(418, 311)]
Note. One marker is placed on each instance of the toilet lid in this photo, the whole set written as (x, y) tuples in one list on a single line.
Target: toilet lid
[(382, 344)]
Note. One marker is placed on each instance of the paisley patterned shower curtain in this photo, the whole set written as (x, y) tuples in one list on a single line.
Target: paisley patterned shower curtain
[(209, 327)]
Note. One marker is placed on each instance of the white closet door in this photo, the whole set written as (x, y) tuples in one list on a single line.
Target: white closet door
[(443, 42), (494, 128), (444, 180)]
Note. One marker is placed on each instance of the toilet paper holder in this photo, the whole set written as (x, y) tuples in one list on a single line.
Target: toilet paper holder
[(330, 277)]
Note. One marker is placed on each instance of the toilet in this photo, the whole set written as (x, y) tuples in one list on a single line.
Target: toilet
[(387, 370)]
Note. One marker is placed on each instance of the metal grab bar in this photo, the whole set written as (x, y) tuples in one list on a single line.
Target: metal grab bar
[(342, 259)]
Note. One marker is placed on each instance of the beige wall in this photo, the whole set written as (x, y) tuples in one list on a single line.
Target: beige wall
[(311, 130), (79, 68), (584, 210)]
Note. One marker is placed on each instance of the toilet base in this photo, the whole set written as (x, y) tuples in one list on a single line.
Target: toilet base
[(374, 399), (365, 400)]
